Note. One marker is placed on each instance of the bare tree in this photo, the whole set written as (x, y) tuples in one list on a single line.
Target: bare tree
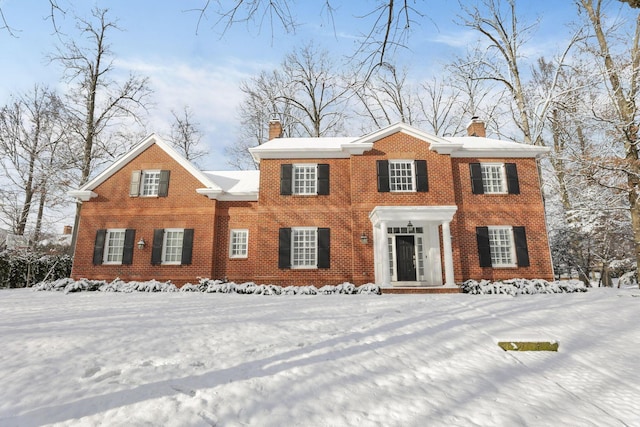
[(186, 135), (620, 71), (95, 101), (307, 94), (31, 129), (390, 22)]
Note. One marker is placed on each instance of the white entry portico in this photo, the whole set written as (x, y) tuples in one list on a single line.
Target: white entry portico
[(406, 244)]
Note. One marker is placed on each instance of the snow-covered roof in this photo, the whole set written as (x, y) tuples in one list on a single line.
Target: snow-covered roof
[(473, 146), (343, 147), (236, 185), (210, 187)]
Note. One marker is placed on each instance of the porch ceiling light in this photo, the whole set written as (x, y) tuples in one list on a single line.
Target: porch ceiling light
[(410, 228)]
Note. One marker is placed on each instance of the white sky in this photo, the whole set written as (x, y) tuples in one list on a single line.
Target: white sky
[(203, 69)]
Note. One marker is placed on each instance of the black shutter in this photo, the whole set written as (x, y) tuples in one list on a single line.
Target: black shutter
[(286, 178), (187, 246), (156, 249), (484, 248), (522, 252), (324, 248), (512, 178), (422, 180), (163, 185), (383, 175), (476, 178), (98, 247), (323, 180), (129, 243), (284, 248), (134, 187)]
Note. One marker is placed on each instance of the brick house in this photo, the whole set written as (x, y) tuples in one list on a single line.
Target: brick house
[(397, 207)]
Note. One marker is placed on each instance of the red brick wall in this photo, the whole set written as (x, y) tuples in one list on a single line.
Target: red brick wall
[(113, 208), (476, 210), (236, 215)]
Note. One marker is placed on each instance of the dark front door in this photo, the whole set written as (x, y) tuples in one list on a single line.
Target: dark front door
[(405, 261)]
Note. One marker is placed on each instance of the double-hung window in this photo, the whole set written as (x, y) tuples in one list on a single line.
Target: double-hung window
[(114, 246), (239, 244), (402, 176), (149, 183), (304, 248), (502, 246), (304, 179), (494, 178), (172, 246)]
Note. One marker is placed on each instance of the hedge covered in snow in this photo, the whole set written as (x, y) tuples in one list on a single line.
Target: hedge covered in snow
[(19, 270), (522, 286), (205, 286)]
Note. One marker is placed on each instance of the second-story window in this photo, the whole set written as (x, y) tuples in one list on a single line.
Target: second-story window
[(402, 176), (149, 183), (494, 178), (304, 179)]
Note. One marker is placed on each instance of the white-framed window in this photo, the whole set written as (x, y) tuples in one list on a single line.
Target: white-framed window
[(114, 246), (239, 244), (401, 173), (304, 247), (305, 179), (172, 246), (501, 243), (494, 179), (150, 183)]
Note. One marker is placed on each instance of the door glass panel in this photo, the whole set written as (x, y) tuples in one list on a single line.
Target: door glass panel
[(420, 256)]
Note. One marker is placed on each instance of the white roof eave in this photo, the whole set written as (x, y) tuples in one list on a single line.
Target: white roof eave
[(528, 152), (83, 195)]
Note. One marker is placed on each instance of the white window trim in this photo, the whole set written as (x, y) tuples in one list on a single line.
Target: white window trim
[(293, 179), (238, 231), (412, 175), (503, 178), (105, 253), (315, 246), (512, 246), (164, 246), (142, 178)]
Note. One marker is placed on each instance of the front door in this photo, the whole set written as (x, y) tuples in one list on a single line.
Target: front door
[(406, 259)]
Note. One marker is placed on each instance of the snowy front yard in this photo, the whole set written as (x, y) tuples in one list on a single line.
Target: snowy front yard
[(192, 359)]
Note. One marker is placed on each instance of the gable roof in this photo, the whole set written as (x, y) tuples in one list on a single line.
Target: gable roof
[(334, 147), (215, 185)]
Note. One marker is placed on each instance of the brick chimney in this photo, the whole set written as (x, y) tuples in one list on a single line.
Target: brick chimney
[(476, 127), (275, 127), (67, 229)]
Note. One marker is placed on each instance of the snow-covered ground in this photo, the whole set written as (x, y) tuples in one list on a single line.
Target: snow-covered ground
[(193, 359)]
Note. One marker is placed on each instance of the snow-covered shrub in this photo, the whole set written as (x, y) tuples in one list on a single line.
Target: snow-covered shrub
[(21, 269), (369, 288), (203, 286), (522, 286), (628, 280)]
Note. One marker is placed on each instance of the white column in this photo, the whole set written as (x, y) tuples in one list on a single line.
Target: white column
[(384, 255), (449, 280)]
